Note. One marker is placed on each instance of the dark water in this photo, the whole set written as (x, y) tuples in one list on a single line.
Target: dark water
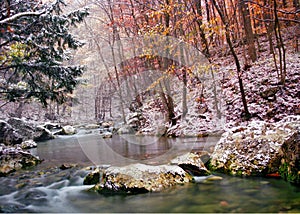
[(47, 188)]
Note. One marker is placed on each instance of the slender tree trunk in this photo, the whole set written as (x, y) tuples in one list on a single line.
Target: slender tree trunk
[(236, 60), (201, 31), (248, 30), (280, 44), (269, 29)]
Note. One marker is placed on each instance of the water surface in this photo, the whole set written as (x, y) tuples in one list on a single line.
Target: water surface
[(46, 188)]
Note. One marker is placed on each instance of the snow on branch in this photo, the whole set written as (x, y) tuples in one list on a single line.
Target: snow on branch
[(18, 15)]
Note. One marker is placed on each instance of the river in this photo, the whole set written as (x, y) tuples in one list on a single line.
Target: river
[(47, 188)]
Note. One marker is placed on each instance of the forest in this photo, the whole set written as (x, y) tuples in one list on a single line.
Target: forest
[(163, 91)]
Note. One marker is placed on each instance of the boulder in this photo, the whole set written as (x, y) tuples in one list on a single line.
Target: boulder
[(126, 129), (93, 177), (28, 144), (8, 135), (23, 127), (260, 149), (68, 130), (140, 178), (41, 133), (12, 159), (107, 124), (106, 134), (50, 126), (192, 163), (16, 130)]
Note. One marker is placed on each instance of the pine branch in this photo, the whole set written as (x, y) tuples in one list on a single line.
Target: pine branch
[(18, 15)]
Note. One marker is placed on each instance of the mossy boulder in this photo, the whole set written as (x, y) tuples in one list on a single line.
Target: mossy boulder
[(12, 159), (260, 149)]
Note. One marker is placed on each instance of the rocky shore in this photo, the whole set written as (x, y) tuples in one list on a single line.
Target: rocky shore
[(257, 149)]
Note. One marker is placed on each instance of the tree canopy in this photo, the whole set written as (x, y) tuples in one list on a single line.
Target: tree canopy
[(35, 47)]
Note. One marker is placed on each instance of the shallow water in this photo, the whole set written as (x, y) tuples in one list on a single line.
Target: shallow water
[(47, 188)]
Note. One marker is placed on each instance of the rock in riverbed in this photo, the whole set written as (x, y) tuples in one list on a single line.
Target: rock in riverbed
[(192, 163), (140, 178), (259, 149), (12, 159)]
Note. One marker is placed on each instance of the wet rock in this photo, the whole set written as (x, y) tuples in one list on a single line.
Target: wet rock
[(42, 134), (141, 178), (92, 177), (28, 144), (12, 159), (191, 163), (106, 134), (67, 166), (259, 149), (50, 126), (68, 130)]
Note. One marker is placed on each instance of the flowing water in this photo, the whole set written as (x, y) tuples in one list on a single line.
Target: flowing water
[(47, 188)]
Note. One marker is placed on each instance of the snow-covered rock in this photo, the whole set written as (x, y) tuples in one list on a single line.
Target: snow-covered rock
[(12, 159), (106, 134), (92, 126), (28, 144), (126, 129), (68, 130), (8, 135), (259, 149), (141, 178), (42, 134), (192, 163), (107, 124)]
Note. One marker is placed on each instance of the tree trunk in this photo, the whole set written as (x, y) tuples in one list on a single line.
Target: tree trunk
[(236, 60), (280, 44), (248, 29)]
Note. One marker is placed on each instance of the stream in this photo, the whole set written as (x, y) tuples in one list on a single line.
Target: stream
[(49, 187)]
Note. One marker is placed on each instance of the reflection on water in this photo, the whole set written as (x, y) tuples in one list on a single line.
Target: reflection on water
[(119, 150)]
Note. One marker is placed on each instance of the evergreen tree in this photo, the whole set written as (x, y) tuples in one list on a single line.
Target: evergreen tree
[(35, 45)]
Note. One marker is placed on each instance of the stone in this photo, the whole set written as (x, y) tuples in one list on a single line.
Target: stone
[(269, 94), (50, 126), (28, 144), (8, 135), (92, 178), (107, 124), (23, 127), (126, 129), (140, 178), (106, 135), (92, 126), (12, 159), (68, 130), (42, 133), (67, 166), (259, 149), (17, 130), (191, 162)]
